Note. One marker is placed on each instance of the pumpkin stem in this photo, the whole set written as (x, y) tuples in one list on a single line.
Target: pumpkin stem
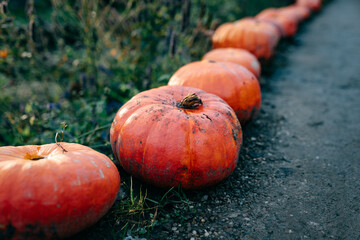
[(191, 101), (64, 150), (56, 136)]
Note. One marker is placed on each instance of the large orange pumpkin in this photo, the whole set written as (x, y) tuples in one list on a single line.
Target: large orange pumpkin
[(232, 82), (53, 191), (299, 12), (314, 5), (287, 23), (235, 55), (258, 37), (177, 135)]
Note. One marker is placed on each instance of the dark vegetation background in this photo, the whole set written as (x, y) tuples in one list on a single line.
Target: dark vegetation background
[(72, 64), (77, 62)]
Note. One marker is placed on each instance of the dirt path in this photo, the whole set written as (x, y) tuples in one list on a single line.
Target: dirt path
[(299, 177), (315, 192)]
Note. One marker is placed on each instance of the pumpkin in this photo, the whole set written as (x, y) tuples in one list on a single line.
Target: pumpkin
[(232, 82), (53, 191), (301, 13), (286, 23), (313, 5), (176, 135), (258, 37), (238, 56)]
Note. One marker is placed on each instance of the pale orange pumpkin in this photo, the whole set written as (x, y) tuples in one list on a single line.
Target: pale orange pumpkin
[(256, 36), (232, 82), (287, 23), (301, 13), (53, 191), (235, 55), (314, 5)]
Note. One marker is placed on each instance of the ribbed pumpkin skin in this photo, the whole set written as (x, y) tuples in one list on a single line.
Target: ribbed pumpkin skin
[(235, 55), (165, 145), (258, 37), (288, 24), (232, 82), (57, 196), (300, 12), (314, 5)]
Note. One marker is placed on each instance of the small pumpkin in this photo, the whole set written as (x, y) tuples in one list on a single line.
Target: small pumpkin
[(53, 191), (301, 13), (176, 135), (287, 23), (313, 5), (232, 82), (238, 56), (258, 37)]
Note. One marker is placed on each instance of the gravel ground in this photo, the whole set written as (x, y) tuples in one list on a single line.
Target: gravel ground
[(299, 171)]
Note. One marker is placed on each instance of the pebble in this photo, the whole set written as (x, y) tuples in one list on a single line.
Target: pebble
[(134, 238), (234, 215), (313, 223), (205, 198), (120, 195)]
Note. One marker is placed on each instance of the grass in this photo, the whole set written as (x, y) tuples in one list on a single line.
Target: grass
[(137, 214)]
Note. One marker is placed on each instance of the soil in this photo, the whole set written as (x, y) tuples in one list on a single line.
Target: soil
[(298, 175)]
